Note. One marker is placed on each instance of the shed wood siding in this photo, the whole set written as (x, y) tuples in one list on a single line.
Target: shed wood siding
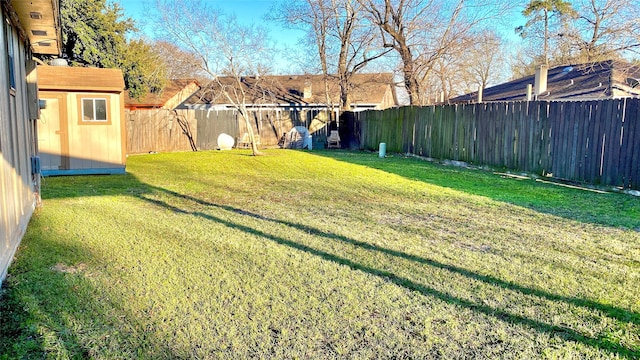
[(70, 144), (81, 145)]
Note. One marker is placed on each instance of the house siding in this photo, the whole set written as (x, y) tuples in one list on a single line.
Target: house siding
[(17, 134)]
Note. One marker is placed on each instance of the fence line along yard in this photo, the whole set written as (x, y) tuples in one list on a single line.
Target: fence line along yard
[(161, 130), (595, 142)]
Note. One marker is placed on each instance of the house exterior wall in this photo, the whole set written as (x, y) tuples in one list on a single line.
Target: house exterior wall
[(388, 100), (18, 187), (70, 144), (181, 96)]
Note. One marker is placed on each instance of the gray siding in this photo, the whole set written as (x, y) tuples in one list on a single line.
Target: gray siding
[(17, 139)]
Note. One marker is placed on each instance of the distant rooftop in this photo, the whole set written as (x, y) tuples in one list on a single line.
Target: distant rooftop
[(368, 89), (593, 81), (173, 94)]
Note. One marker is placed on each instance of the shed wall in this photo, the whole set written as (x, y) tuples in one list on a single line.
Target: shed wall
[(69, 145)]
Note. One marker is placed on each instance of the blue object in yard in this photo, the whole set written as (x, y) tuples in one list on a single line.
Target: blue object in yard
[(308, 142), (383, 150)]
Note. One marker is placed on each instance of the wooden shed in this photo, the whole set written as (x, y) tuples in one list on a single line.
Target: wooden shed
[(81, 130)]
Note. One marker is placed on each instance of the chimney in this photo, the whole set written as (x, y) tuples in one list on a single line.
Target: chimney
[(540, 83), (307, 89), (479, 94)]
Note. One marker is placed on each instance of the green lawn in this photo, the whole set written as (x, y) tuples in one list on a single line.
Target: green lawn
[(322, 255)]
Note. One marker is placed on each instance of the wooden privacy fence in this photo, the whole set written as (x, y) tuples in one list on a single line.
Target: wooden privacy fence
[(596, 142), (270, 124), (161, 130)]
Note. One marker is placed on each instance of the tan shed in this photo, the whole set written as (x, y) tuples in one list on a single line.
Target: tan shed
[(81, 130)]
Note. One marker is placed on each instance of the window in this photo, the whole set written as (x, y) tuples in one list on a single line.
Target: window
[(94, 110), (11, 55)]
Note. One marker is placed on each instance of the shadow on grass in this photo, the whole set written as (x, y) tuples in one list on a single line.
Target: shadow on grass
[(47, 302), (563, 332), (608, 209)]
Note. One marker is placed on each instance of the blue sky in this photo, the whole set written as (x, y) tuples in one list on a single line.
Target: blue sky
[(250, 11), (246, 10), (255, 11)]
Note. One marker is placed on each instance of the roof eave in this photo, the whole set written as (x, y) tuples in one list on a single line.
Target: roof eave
[(38, 21)]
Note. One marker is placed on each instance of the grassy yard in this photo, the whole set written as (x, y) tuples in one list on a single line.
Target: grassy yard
[(322, 255)]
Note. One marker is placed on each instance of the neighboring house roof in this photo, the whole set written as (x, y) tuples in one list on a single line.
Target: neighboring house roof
[(172, 95), (601, 80), (80, 79), (369, 90), (40, 22)]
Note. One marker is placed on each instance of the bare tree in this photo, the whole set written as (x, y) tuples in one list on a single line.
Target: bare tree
[(422, 32), (312, 17), (598, 30), (180, 64), (483, 60), (227, 51), (343, 40), (605, 29)]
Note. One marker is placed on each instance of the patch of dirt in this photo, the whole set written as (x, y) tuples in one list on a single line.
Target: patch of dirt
[(63, 268), (481, 248)]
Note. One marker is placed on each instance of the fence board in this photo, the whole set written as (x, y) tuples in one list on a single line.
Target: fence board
[(634, 182), (614, 175), (594, 143), (485, 128), (572, 139), (582, 117), (558, 136), (603, 139), (510, 139), (627, 148), (630, 136), (491, 144)]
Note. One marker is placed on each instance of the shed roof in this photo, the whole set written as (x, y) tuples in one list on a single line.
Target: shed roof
[(80, 79), (591, 81)]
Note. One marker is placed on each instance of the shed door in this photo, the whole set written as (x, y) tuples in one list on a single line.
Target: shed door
[(53, 134)]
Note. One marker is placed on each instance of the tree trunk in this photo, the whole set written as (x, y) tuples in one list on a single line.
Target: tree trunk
[(410, 77), (252, 138), (345, 99), (546, 37)]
